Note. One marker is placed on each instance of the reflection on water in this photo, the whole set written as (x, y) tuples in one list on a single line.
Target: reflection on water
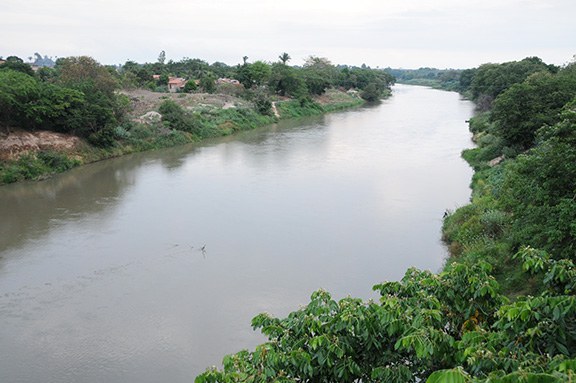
[(149, 267)]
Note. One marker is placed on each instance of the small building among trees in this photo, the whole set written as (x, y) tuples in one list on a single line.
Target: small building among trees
[(176, 84)]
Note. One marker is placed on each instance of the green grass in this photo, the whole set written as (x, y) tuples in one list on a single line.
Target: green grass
[(36, 166)]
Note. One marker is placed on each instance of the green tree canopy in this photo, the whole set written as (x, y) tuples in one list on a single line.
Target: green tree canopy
[(540, 189), (17, 90), (29, 104), (427, 327), (527, 106), (254, 75), (15, 63), (103, 107), (85, 71), (319, 74), (490, 80), (285, 81), (284, 58), (208, 82)]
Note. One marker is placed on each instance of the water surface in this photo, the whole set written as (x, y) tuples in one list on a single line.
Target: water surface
[(102, 273)]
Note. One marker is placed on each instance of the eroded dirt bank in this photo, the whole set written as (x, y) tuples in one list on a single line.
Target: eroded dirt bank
[(15, 142)]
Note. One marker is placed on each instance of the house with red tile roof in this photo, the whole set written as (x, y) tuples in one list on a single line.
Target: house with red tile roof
[(176, 84)]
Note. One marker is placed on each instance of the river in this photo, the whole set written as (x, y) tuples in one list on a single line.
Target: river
[(149, 267)]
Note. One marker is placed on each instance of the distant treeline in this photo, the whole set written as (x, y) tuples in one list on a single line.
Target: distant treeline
[(278, 78), (78, 94), (447, 79)]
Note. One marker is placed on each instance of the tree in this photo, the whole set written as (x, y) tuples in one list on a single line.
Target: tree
[(103, 107), (17, 89), (284, 57), (208, 83), (492, 79), (284, 80), (255, 74), (525, 107), (46, 74), (175, 117), (17, 64), (14, 59), (454, 325), (262, 102), (465, 79), (539, 189), (163, 79), (220, 69), (55, 108), (371, 93), (318, 74), (162, 58), (85, 71), (190, 86), (29, 104)]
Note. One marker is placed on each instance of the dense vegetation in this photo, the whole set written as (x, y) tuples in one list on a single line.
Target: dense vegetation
[(313, 78), (81, 97), (524, 186), (447, 79), (455, 326), (78, 97), (473, 322)]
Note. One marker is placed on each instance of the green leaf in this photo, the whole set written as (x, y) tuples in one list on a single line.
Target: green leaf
[(562, 348), (556, 313), (456, 375)]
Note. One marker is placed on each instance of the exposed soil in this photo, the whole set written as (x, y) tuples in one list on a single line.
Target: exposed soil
[(144, 101), (14, 143)]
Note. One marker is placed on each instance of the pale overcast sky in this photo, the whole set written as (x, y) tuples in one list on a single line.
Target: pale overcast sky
[(379, 33)]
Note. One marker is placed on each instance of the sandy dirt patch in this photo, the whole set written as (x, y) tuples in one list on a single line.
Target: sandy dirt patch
[(144, 101), (15, 143)]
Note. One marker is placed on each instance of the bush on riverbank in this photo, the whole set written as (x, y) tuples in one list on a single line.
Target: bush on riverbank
[(36, 165)]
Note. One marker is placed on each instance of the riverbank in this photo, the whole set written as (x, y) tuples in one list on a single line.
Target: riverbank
[(37, 155), (493, 228)]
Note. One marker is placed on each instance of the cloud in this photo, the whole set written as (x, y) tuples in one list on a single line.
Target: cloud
[(379, 33)]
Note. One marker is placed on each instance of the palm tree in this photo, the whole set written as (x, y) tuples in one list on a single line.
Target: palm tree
[(284, 57)]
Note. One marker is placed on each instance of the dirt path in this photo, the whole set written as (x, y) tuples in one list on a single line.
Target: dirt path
[(275, 110)]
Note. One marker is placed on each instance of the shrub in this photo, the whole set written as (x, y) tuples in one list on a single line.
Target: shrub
[(494, 222), (103, 138), (263, 105), (58, 162)]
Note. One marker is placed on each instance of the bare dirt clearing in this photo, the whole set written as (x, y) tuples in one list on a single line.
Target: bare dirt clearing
[(15, 143), (144, 101)]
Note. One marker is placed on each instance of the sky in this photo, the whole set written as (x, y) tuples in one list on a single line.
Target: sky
[(378, 33)]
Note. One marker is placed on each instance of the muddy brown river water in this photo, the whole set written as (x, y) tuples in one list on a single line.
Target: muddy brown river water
[(149, 267)]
